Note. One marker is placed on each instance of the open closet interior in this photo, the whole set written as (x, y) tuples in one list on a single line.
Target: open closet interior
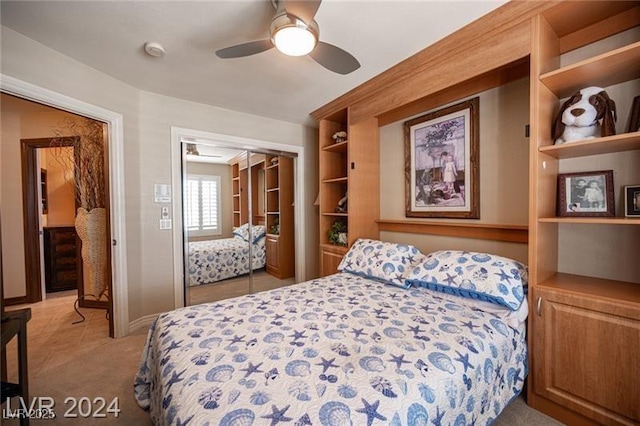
[(238, 220)]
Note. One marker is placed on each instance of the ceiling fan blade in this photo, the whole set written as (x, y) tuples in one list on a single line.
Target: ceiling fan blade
[(334, 59), (303, 9), (245, 49)]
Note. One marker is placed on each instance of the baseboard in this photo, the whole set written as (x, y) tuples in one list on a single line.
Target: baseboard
[(10, 301), (142, 322)]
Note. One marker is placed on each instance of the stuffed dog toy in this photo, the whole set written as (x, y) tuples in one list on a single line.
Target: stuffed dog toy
[(580, 116)]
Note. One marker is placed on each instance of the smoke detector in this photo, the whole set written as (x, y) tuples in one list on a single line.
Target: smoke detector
[(154, 49)]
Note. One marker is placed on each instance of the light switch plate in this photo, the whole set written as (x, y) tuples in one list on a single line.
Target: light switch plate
[(165, 223)]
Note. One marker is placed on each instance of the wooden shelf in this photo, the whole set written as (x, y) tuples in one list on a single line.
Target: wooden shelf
[(336, 180), (273, 189), (606, 145), (272, 166), (336, 214), (591, 220), (335, 248), (337, 147), (483, 231), (620, 291), (604, 70)]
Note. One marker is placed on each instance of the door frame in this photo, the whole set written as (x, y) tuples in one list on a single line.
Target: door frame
[(114, 121), (178, 163), (31, 211)]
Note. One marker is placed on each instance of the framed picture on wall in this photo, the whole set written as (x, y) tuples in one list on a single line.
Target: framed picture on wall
[(634, 120), (586, 194), (442, 163), (632, 201)]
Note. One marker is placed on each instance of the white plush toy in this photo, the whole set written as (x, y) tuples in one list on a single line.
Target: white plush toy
[(579, 117)]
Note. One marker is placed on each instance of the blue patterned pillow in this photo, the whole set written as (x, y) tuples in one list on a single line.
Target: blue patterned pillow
[(242, 231), (381, 261), (473, 275)]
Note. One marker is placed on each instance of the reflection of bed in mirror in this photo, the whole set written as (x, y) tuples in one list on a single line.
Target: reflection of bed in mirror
[(215, 260)]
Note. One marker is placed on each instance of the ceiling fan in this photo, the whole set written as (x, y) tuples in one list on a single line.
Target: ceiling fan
[(192, 149), (294, 32)]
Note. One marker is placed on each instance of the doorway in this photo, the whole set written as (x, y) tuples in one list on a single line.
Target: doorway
[(49, 204), (16, 90)]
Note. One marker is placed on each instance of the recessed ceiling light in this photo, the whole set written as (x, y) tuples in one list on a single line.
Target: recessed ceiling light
[(154, 49)]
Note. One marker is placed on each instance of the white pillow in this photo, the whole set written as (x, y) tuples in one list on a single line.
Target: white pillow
[(473, 275), (381, 261)]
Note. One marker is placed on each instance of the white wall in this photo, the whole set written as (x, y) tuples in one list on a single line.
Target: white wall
[(60, 194), (148, 119), (504, 172), (21, 122), (13, 270)]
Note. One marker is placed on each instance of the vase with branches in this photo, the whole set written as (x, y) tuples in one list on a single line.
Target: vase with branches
[(86, 169)]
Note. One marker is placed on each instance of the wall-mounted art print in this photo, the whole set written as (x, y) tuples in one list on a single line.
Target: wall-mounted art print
[(586, 194), (442, 163)]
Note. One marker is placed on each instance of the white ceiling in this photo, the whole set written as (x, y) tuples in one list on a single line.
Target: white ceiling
[(109, 36), (213, 154)]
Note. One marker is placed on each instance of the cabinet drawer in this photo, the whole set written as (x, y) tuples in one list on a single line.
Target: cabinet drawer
[(66, 236)]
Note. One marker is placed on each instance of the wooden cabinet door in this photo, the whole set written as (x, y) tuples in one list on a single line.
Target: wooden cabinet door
[(329, 261), (587, 355), (273, 255)]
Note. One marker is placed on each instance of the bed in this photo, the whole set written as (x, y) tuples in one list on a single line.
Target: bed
[(356, 347), (215, 260)]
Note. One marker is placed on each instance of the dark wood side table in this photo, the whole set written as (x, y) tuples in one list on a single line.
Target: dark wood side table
[(14, 324)]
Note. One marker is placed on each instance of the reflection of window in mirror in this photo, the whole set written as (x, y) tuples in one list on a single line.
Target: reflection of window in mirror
[(222, 187)]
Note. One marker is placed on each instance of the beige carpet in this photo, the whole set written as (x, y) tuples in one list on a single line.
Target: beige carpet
[(67, 360), (234, 287)]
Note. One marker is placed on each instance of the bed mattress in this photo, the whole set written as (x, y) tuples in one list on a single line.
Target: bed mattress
[(337, 350)]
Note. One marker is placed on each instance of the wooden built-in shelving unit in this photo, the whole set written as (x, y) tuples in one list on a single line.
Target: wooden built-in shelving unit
[(280, 246), (584, 330), (347, 167), (574, 315)]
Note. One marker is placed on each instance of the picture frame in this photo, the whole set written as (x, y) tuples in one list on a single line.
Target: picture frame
[(442, 171), (586, 194), (634, 118), (632, 201)]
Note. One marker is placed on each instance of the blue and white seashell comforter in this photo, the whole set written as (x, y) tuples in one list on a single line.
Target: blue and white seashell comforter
[(215, 260), (333, 351)]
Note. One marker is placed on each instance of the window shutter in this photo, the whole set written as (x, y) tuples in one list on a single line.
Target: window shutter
[(202, 204)]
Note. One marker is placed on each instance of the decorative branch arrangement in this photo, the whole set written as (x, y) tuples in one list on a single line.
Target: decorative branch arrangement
[(87, 168)]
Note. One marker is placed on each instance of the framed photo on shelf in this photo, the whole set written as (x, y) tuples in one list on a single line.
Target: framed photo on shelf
[(632, 201), (442, 163), (634, 119), (586, 194)]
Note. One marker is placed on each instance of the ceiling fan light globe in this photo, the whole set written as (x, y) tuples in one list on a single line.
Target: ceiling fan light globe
[(294, 41)]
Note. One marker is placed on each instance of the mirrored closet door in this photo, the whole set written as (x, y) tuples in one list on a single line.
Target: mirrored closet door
[(238, 220)]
